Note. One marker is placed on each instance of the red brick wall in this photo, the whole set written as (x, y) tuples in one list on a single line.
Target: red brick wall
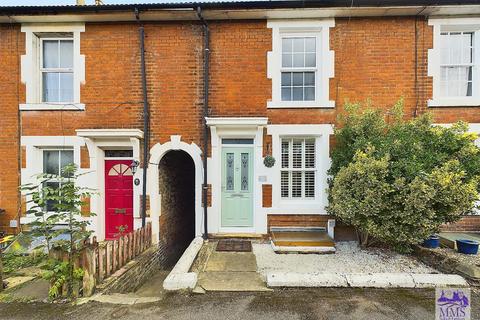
[(297, 220), (468, 223), (10, 91), (374, 59), (238, 72), (267, 195), (112, 91)]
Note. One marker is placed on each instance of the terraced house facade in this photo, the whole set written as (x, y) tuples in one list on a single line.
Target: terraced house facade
[(171, 108)]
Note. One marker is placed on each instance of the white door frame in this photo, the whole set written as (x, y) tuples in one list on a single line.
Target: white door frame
[(98, 140), (250, 128)]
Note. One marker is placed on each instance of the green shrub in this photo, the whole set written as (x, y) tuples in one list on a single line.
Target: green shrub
[(13, 262), (397, 181), (61, 226)]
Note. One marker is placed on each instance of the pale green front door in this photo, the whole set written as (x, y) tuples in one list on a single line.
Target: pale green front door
[(237, 187)]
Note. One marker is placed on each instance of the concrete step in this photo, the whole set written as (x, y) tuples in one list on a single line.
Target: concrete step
[(231, 281)]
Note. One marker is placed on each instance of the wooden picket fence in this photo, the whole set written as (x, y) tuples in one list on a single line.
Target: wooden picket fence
[(100, 260)]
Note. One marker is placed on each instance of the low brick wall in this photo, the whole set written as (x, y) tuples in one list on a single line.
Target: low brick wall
[(343, 232), (135, 273), (448, 264), (467, 224)]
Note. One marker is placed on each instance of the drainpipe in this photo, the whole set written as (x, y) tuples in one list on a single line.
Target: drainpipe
[(206, 71), (146, 116)]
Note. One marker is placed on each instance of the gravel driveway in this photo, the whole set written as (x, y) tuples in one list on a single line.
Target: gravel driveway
[(349, 258)]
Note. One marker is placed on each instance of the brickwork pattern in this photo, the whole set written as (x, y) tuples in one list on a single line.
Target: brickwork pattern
[(370, 64), (11, 45), (467, 224)]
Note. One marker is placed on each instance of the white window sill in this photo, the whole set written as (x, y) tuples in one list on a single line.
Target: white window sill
[(454, 102), (300, 104), (52, 106)]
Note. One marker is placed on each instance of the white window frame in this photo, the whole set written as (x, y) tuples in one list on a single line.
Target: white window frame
[(31, 65), (324, 70), (321, 133), (34, 147), (290, 169), (441, 25), (292, 69), (59, 150), (52, 70)]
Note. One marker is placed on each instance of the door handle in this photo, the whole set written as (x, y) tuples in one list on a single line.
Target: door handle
[(236, 195)]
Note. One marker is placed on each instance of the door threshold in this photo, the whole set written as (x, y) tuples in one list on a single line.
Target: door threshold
[(237, 235)]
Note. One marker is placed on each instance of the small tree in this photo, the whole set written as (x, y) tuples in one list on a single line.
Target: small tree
[(397, 181), (56, 203)]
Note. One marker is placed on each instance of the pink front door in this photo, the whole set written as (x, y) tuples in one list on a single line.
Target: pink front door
[(118, 198)]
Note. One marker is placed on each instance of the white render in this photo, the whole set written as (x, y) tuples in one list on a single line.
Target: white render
[(93, 177), (30, 66), (34, 146), (98, 140), (325, 59)]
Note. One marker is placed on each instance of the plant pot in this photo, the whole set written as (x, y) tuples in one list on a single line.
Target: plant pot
[(431, 242), (467, 246)]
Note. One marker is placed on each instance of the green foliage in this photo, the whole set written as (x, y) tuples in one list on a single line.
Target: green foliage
[(60, 274), (57, 208), (397, 181), (13, 262)]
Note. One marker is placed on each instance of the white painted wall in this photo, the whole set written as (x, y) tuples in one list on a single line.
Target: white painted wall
[(92, 177)]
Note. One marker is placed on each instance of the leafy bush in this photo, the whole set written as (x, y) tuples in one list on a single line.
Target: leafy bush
[(57, 209), (61, 274), (397, 181)]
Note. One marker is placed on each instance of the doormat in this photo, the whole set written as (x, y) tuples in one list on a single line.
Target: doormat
[(234, 245)]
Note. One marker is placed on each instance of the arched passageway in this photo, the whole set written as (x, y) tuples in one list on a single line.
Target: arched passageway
[(177, 218)]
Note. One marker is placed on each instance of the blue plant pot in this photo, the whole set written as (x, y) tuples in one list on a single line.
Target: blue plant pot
[(467, 246), (431, 242)]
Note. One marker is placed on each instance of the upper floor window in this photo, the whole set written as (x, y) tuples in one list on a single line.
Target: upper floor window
[(57, 70), (453, 62), (300, 64), (299, 68), (456, 63), (53, 68)]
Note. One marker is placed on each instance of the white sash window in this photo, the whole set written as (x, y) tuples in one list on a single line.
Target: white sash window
[(453, 62)]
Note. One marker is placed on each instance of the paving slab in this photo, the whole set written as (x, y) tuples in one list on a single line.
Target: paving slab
[(154, 286), (125, 299), (231, 261), (438, 280), (16, 281), (381, 280), (231, 281), (32, 290), (292, 279)]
